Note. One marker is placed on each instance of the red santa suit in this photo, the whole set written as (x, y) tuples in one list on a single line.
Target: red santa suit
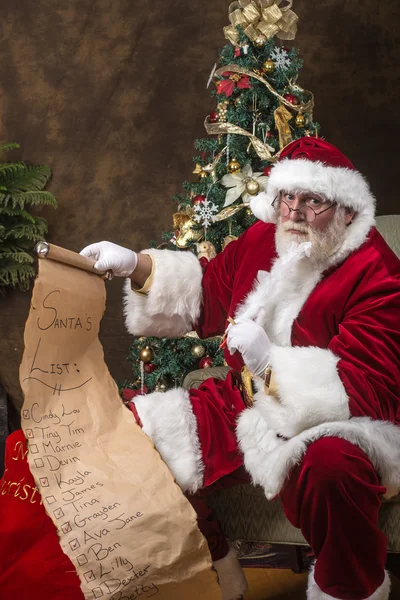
[(334, 330)]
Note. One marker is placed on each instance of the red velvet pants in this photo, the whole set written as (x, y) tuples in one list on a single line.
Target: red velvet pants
[(333, 496)]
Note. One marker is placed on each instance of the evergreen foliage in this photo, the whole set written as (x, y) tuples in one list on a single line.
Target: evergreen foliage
[(21, 187)]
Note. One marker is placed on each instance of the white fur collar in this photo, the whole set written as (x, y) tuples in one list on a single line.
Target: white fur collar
[(278, 296)]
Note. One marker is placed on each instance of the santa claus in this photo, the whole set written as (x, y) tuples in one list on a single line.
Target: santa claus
[(309, 300)]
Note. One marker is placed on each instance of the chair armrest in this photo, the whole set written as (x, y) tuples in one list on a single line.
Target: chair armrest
[(195, 378)]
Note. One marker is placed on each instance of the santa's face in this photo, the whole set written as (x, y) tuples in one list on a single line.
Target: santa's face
[(308, 217)]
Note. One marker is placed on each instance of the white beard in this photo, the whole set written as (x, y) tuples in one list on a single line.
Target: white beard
[(324, 243)]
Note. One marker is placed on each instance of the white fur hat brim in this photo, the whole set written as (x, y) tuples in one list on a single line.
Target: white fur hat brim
[(345, 186)]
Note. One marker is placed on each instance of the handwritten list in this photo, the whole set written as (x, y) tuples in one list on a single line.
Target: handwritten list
[(120, 517)]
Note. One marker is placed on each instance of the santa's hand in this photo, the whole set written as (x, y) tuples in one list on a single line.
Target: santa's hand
[(111, 257), (252, 342)]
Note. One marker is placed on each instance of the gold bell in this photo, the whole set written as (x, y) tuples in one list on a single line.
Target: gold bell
[(188, 234), (300, 120), (233, 166)]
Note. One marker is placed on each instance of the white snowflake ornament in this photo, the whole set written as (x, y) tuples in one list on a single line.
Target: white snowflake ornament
[(205, 213), (281, 58)]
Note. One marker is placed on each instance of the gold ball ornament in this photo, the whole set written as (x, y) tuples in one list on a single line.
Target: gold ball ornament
[(249, 212), (260, 40), (202, 175), (146, 354), (197, 351), (252, 187), (234, 166), (300, 120), (268, 67)]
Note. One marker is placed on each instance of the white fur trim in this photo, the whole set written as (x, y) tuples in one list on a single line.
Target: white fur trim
[(231, 577), (309, 387), (314, 592), (173, 303), (269, 459), (278, 296), (169, 421)]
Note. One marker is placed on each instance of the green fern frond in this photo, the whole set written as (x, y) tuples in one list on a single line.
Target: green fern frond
[(21, 184), (9, 146), (16, 275), (32, 198), (9, 211), (31, 231), (19, 177), (19, 257)]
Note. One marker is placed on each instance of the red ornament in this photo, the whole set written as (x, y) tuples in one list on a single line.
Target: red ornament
[(214, 117), (237, 51), (270, 134), (128, 394), (206, 362), (267, 171), (149, 367), (292, 99), (199, 199)]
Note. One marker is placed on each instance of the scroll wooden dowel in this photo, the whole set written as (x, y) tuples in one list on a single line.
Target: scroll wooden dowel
[(68, 257)]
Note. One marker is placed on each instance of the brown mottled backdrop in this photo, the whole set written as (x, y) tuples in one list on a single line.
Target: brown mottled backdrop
[(111, 95)]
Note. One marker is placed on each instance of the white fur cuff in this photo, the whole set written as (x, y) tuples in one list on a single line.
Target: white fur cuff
[(173, 302), (169, 421), (309, 388), (315, 593)]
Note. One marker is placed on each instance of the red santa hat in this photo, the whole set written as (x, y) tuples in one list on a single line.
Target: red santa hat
[(313, 165)]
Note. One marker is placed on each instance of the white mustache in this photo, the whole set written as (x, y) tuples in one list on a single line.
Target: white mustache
[(296, 226)]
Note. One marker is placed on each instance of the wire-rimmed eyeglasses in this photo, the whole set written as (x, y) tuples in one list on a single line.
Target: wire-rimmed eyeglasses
[(282, 208)]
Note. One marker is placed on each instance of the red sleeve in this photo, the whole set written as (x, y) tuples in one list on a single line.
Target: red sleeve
[(368, 345), (217, 287)]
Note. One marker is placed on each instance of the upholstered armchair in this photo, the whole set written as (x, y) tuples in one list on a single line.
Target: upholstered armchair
[(246, 515)]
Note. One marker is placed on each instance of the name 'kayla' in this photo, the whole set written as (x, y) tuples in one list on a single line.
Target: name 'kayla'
[(76, 480)]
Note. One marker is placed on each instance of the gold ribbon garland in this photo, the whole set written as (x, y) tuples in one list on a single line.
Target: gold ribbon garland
[(282, 117), (223, 128), (261, 19), (304, 108)]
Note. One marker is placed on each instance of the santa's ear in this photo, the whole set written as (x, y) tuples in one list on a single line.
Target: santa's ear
[(349, 214)]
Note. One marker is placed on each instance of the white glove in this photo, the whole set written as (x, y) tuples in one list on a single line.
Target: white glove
[(121, 261), (250, 339)]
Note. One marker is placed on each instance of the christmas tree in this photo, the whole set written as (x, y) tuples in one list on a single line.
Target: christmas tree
[(260, 108), (21, 186)]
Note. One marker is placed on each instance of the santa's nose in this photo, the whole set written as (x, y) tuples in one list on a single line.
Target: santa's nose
[(296, 214)]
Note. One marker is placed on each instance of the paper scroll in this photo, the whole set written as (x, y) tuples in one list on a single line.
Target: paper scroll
[(121, 518)]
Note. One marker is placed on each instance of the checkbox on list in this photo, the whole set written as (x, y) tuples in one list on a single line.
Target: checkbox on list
[(50, 499), (89, 576), (29, 433), (25, 414), (74, 544), (66, 527), (58, 513), (39, 463), (82, 560), (44, 482), (33, 449), (97, 593)]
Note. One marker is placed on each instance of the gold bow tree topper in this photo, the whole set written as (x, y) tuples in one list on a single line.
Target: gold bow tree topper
[(261, 20)]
